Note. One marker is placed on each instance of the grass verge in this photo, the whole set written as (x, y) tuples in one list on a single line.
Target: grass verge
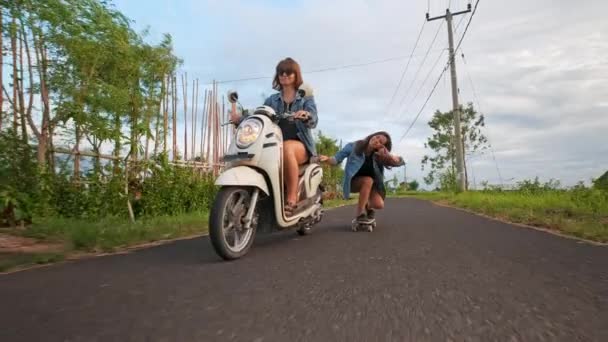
[(582, 213), (114, 233), (109, 235), (9, 261), (338, 202)]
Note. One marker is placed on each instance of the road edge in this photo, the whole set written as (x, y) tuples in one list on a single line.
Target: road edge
[(78, 256), (520, 225)]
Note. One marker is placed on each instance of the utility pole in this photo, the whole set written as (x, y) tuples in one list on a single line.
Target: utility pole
[(456, 107)]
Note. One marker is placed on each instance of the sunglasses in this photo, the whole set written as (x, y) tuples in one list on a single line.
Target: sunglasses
[(286, 72)]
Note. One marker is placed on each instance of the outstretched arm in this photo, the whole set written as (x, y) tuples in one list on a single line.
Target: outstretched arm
[(389, 160), (339, 157)]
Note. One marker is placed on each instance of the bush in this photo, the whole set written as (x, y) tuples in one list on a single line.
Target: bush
[(28, 192)]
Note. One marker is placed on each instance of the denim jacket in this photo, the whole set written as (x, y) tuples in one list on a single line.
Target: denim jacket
[(354, 162), (304, 128)]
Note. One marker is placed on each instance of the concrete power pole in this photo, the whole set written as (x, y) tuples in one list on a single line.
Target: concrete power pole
[(456, 107)]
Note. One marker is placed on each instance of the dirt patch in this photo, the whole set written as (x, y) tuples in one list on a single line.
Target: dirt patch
[(19, 244)]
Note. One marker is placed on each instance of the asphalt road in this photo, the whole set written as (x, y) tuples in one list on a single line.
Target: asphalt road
[(427, 273)]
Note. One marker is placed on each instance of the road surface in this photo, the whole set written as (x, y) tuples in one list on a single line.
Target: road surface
[(428, 273)]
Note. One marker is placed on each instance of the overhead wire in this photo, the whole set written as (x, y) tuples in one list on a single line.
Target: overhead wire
[(388, 107)]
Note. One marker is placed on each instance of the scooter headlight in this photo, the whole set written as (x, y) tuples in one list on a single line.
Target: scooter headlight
[(248, 132)]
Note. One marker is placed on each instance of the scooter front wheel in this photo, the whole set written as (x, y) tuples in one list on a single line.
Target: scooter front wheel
[(227, 232)]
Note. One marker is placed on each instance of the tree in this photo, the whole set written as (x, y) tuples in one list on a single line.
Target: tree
[(602, 182), (74, 67), (332, 176), (413, 185), (443, 163), (395, 181)]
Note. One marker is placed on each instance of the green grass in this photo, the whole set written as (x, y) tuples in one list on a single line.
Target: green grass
[(338, 202), (106, 235), (10, 261), (113, 233), (582, 213)]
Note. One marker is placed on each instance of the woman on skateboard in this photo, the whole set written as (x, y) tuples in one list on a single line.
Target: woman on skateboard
[(364, 172)]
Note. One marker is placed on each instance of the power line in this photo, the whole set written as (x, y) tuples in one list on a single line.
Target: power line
[(405, 96), (439, 79), (405, 70), (340, 67), (425, 103), (459, 23), (467, 27), (481, 111), (425, 80)]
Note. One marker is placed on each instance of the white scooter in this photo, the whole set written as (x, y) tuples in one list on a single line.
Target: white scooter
[(251, 196)]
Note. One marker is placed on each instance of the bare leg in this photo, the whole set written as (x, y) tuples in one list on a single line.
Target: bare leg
[(294, 155), (362, 185), (376, 201)]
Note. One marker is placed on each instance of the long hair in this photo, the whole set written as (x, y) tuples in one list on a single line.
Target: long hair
[(361, 145), (288, 64)]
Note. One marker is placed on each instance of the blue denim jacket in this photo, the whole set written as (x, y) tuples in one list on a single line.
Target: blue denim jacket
[(304, 128), (353, 164)]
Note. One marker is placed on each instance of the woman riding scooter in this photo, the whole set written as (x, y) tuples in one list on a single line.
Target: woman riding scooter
[(298, 143)]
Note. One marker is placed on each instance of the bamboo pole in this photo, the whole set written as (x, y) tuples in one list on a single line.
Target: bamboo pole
[(129, 206), (217, 129), (174, 115), (185, 100), (203, 125), (214, 135), (15, 75), (165, 111), (1, 68), (194, 115), (24, 134), (161, 112), (209, 120), (225, 128)]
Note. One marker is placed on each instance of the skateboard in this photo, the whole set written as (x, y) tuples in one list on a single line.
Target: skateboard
[(367, 225)]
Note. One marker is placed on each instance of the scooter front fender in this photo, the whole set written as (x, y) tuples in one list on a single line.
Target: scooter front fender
[(243, 176)]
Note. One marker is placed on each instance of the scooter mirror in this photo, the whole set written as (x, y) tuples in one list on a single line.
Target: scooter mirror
[(233, 96)]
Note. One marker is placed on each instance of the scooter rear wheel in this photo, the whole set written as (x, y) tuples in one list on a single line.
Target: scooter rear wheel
[(230, 239)]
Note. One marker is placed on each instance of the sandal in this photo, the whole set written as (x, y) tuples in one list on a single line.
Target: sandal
[(290, 208)]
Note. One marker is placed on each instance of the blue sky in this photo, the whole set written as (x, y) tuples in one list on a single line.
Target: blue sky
[(540, 70)]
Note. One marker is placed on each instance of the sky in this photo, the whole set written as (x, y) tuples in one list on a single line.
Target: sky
[(537, 70)]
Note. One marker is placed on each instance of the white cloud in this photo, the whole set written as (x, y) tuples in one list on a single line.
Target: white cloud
[(540, 70)]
